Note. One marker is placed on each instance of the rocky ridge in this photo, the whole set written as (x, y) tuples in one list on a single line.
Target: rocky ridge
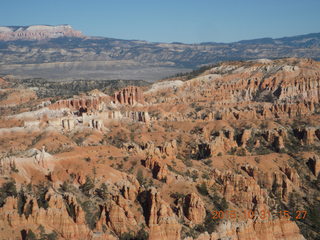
[(37, 32)]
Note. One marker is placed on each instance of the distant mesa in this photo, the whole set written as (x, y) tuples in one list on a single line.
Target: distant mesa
[(37, 32), (61, 53)]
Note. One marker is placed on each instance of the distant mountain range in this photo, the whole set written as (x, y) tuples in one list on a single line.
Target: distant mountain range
[(37, 32), (62, 53)]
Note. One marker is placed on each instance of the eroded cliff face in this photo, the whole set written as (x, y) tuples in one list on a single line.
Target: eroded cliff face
[(225, 155), (250, 90)]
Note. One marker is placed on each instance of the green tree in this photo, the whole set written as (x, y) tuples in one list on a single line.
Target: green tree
[(87, 186), (140, 177), (31, 235), (102, 192), (202, 189), (8, 189)]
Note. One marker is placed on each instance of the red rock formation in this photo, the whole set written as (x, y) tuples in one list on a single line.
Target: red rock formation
[(158, 168), (314, 165), (160, 218), (129, 96), (278, 143), (84, 103), (278, 229), (118, 216), (166, 150), (246, 134), (54, 217), (194, 207), (252, 90), (222, 141)]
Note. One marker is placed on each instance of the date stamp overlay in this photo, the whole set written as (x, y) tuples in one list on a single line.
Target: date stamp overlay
[(262, 215)]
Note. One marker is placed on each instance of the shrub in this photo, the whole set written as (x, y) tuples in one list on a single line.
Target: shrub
[(71, 211), (92, 213), (87, 186), (142, 235), (241, 152), (8, 189), (204, 151), (218, 116), (127, 236), (263, 150), (179, 139), (140, 177), (172, 169), (219, 203), (120, 166), (65, 187), (202, 189), (51, 236), (21, 201), (208, 162), (31, 235), (102, 192), (209, 225), (205, 176), (150, 183), (314, 216), (187, 162), (232, 151), (257, 160), (44, 236), (41, 193), (119, 139), (196, 130), (194, 174), (177, 195)]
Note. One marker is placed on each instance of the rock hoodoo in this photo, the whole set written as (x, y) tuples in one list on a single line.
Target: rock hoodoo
[(129, 95)]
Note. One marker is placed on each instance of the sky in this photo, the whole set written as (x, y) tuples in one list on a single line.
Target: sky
[(188, 21)]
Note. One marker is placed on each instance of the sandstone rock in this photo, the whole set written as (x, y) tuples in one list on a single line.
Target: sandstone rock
[(314, 165), (118, 217), (55, 217), (170, 148), (129, 95), (246, 134), (159, 169), (291, 174), (279, 143), (128, 190), (309, 135), (222, 142), (160, 218), (82, 104), (252, 171), (239, 189), (279, 229), (194, 208)]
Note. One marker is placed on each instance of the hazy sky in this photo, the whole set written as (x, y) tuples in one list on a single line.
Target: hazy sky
[(189, 21)]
